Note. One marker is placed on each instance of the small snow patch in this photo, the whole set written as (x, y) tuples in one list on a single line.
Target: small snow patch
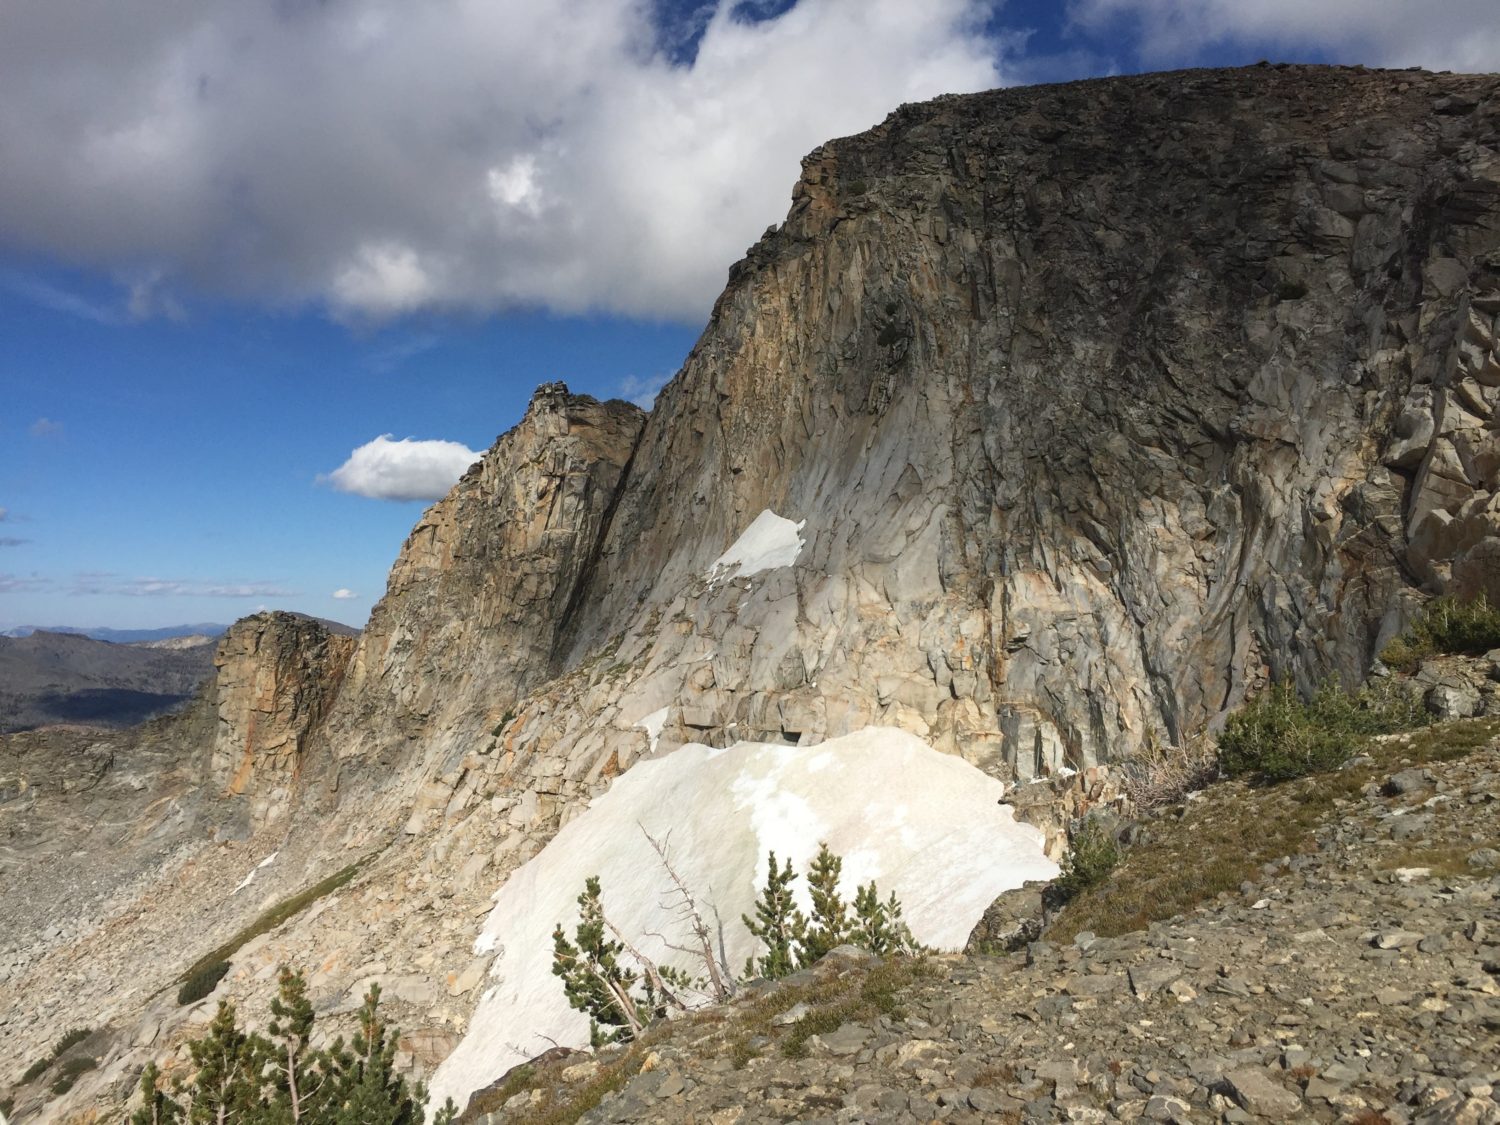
[(768, 543), (652, 725), (250, 878)]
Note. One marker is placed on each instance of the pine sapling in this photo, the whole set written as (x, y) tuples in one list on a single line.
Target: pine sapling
[(297, 1074), (878, 926), (157, 1108), (368, 1090), (595, 981), (829, 926), (777, 923)]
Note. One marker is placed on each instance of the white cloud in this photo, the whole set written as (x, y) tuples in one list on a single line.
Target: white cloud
[(21, 584), (1461, 35), (104, 584), (386, 469), (143, 298), (388, 157), (45, 427), (343, 595)]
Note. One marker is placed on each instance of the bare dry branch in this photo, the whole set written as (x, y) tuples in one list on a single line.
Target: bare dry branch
[(720, 980), (648, 966)]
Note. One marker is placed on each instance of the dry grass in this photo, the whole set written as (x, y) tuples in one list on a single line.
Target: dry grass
[(1164, 774), (1223, 839), (832, 1000), (877, 994), (574, 1103), (997, 1074), (1443, 860), (272, 918)]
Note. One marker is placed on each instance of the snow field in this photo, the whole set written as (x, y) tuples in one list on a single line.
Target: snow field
[(925, 825)]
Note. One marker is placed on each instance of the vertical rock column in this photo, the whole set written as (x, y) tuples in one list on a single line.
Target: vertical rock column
[(277, 675)]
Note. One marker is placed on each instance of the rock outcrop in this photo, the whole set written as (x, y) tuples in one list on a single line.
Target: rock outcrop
[(276, 675), (469, 623)]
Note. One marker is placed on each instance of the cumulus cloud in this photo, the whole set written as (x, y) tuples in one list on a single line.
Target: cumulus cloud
[(45, 427), (386, 157), (343, 595), (1459, 35), (386, 469)]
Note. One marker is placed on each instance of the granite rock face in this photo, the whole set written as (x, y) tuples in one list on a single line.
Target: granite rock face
[(275, 676), (1102, 403), (1099, 405), (483, 586)]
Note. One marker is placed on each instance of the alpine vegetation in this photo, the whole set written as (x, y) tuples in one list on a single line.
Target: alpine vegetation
[(279, 1078), (620, 1001)]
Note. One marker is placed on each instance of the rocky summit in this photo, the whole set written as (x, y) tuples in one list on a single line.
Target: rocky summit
[(1051, 426)]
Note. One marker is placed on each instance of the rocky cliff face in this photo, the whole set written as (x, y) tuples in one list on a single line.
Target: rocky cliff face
[(483, 587), (1098, 405), (1102, 403), (275, 677)]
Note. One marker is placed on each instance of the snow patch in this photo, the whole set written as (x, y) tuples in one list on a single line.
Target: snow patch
[(250, 878), (768, 543), (652, 725), (955, 849)]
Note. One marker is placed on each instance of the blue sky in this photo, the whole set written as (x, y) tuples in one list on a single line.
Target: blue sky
[(243, 240)]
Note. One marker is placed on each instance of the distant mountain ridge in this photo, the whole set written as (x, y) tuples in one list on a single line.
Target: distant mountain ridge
[(48, 678), (207, 630), (120, 636)]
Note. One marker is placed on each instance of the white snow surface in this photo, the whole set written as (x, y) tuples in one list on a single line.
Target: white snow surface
[(250, 878), (768, 543), (926, 825), (652, 725)]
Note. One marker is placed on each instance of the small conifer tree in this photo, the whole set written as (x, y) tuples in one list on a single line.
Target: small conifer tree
[(777, 923), (249, 1079), (299, 1077), (829, 926), (878, 926), (157, 1108), (593, 977), (226, 1089), (368, 1090)]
